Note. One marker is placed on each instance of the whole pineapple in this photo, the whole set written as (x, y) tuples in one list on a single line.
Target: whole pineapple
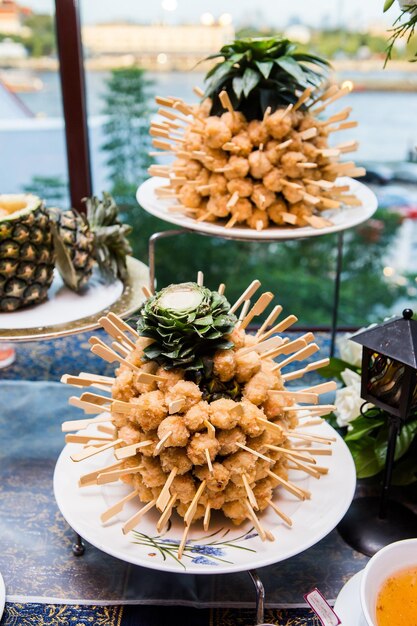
[(26, 251), (83, 240)]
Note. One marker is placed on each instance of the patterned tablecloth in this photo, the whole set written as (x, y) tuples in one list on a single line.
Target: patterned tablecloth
[(46, 585)]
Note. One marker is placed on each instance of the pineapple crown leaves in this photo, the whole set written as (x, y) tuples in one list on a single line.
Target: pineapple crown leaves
[(110, 235), (262, 72), (187, 323)]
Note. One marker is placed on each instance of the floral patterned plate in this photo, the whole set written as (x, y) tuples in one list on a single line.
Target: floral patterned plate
[(225, 548)]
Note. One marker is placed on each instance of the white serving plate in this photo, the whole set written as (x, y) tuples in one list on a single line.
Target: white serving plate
[(348, 603), (342, 219), (225, 548)]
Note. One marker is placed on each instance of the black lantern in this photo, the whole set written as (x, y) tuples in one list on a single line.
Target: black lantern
[(389, 382)]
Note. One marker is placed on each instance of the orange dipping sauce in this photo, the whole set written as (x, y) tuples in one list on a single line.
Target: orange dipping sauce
[(397, 600)]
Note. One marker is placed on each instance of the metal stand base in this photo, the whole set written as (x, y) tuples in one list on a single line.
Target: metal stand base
[(78, 547), (365, 531)]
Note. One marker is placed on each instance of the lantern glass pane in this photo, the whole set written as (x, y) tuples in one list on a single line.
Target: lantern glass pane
[(385, 379)]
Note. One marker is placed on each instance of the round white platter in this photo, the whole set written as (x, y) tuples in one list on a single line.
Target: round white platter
[(225, 548), (66, 312), (348, 603), (342, 219)]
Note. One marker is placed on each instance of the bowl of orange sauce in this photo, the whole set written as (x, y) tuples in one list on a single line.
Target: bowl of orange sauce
[(389, 585)]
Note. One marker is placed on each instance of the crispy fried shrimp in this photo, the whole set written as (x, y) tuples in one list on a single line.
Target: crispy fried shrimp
[(229, 439), (256, 388), (203, 109), (200, 442), (237, 337), (152, 473), (214, 498), (243, 186), (195, 417), (187, 390), (184, 486), (263, 492), (216, 132), (259, 164), (199, 512), (276, 210), (273, 180), (123, 388), (239, 463), (309, 149), (175, 457), (192, 169), (171, 378), (148, 368), (145, 494), (249, 422), (219, 183), (277, 125), (189, 196), (149, 410), (301, 210), (192, 141), (273, 405), (289, 163), (247, 365), (233, 492), (120, 419), (241, 210), (258, 220), (129, 434), (236, 511), (150, 435), (180, 434), (262, 469), (224, 366), (293, 194), (257, 132), (307, 121), (127, 464), (217, 205), (237, 167), (217, 479), (236, 121), (239, 144), (225, 413), (262, 197)]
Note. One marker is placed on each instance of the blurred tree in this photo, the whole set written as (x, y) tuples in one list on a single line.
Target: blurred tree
[(53, 189)]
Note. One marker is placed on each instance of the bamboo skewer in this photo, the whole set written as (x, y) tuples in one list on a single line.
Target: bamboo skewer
[(91, 478), (208, 459), (176, 405), (275, 313), (281, 327), (262, 346), (207, 515), (261, 532), (286, 348), (321, 388), (166, 514), (85, 438), (249, 492), (128, 451), (308, 368), (316, 439), (317, 451), (189, 515), (280, 513), (135, 519), (255, 452), (91, 451), (84, 423), (297, 396), (111, 477), (300, 355), (321, 471), (161, 442), (307, 469), (243, 312), (246, 295), (302, 494), (292, 453), (118, 507), (164, 497)]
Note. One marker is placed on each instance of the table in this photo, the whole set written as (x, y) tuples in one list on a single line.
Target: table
[(43, 578)]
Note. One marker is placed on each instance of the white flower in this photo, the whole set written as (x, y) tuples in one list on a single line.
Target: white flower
[(350, 351), (405, 4), (348, 400)]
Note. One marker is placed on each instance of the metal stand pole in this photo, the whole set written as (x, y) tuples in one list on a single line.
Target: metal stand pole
[(151, 252), (336, 297), (389, 463), (78, 547)]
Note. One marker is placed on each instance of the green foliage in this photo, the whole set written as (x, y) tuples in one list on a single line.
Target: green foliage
[(52, 189), (42, 41), (262, 72)]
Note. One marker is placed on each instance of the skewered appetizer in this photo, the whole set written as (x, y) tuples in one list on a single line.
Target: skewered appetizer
[(256, 151), (33, 239), (201, 419)]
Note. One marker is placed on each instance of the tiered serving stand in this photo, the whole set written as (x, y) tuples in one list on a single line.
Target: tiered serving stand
[(225, 549), (342, 220)]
